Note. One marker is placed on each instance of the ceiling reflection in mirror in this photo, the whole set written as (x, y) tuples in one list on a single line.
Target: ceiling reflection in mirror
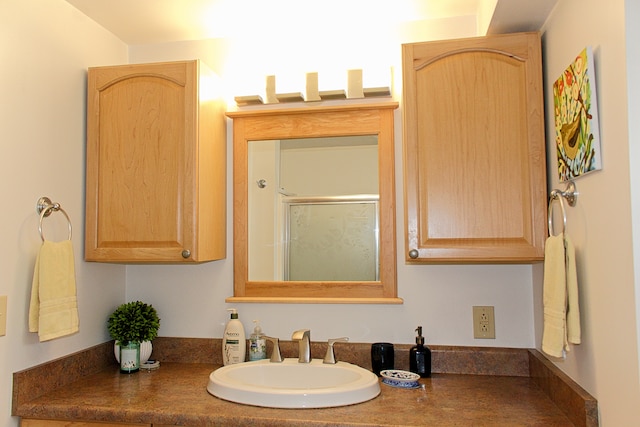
[(313, 212)]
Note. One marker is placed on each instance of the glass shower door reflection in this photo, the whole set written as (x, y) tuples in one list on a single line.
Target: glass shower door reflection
[(332, 240)]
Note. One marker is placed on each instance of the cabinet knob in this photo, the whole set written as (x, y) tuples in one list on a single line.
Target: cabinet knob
[(186, 253), (413, 253)]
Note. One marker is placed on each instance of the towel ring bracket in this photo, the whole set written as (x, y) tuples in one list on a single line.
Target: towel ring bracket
[(570, 194), (46, 203)]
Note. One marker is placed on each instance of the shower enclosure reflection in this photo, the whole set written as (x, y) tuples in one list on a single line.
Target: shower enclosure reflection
[(313, 211), (331, 239)]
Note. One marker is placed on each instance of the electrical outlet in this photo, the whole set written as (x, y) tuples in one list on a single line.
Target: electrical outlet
[(484, 325), (3, 315)]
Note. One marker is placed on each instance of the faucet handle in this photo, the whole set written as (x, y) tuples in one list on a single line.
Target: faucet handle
[(330, 357), (275, 353)]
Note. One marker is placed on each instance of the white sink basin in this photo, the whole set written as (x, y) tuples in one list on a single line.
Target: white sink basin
[(294, 385)]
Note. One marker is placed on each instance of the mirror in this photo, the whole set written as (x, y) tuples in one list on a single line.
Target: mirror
[(310, 185), (313, 209)]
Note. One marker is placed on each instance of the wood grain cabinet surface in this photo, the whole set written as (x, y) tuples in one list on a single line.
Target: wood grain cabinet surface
[(30, 422), (156, 164), (474, 150)]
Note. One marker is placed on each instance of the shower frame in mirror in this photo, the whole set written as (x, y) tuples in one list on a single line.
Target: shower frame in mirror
[(312, 122)]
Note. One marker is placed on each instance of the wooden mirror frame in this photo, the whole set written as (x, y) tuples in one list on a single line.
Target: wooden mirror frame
[(312, 122)]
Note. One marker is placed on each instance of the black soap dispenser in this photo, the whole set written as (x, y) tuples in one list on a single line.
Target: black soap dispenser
[(420, 357)]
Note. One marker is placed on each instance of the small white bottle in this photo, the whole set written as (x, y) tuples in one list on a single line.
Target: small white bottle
[(257, 343), (234, 344)]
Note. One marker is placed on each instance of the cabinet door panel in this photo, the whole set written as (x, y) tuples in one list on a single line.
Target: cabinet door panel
[(142, 155), (475, 186)]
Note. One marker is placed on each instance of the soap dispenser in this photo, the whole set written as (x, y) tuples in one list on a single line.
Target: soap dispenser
[(257, 343), (420, 356), (234, 345)]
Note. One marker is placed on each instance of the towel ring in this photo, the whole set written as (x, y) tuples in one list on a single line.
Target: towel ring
[(44, 207), (555, 196), (571, 196)]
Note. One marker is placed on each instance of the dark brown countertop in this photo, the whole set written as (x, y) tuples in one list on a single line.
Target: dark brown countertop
[(470, 386), (176, 394)]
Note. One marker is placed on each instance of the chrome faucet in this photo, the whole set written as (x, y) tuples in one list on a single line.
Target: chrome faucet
[(303, 336)]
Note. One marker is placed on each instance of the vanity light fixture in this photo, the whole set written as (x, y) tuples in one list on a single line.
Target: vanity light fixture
[(354, 90)]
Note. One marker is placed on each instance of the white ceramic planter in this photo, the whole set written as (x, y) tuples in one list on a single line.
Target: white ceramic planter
[(145, 351)]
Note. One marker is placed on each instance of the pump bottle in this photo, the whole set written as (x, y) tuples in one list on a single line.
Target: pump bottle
[(257, 343), (420, 356), (234, 344)]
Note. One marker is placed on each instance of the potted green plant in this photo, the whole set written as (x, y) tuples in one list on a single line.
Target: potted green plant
[(134, 324)]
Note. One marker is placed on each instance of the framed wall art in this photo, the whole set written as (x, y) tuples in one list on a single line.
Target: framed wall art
[(575, 105)]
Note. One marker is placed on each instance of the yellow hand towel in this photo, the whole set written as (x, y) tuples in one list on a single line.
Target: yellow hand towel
[(573, 310), (560, 297), (554, 296), (53, 311)]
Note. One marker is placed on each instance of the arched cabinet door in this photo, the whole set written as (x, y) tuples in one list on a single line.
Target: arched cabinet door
[(475, 172), (156, 165)]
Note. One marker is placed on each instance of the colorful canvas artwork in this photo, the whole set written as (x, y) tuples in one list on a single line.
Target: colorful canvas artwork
[(576, 119)]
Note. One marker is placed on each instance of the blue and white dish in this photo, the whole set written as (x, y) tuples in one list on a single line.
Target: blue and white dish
[(398, 378)]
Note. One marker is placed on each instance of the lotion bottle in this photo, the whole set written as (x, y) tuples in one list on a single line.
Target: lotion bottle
[(420, 357), (234, 344), (257, 343)]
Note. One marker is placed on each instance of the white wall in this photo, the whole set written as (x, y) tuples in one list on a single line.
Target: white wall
[(632, 14), (190, 299), (45, 48), (606, 363)]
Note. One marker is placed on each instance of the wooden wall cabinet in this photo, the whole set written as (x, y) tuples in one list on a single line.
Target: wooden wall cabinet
[(474, 150), (156, 164)]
